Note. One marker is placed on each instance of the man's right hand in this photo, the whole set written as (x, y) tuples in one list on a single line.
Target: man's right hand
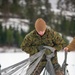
[(41, 48), (66, 49)]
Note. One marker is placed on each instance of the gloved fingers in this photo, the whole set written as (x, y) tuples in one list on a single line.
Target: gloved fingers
[(41, 47)]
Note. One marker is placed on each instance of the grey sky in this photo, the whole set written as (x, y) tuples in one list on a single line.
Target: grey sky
[(54, 3)]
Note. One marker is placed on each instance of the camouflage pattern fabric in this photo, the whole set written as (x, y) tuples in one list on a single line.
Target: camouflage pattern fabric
[(33, 40)]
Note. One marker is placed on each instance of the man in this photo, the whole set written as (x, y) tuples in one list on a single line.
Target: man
[(42, 35), (71, 46)]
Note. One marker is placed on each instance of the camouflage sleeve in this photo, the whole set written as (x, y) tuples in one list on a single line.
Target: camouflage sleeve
[(58, 41), (27, 45)]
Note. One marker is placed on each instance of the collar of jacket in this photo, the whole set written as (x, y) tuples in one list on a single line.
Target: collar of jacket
[(45, 34)]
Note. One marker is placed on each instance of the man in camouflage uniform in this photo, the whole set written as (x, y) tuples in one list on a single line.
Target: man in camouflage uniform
[(42, 35)]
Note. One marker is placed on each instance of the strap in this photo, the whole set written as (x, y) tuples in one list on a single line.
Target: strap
[(65, 63)]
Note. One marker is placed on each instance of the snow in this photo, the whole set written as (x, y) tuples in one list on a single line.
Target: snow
[(8, 59), (16, 23), (70, 61), (53, 3)]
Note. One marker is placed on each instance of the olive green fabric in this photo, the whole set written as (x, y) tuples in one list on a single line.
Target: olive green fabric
[(33, 40)]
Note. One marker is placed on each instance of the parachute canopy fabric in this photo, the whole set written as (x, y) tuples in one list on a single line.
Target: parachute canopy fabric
[(23, 68)]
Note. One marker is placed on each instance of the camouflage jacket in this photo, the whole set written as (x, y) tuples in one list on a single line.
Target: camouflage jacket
[(33, 40)]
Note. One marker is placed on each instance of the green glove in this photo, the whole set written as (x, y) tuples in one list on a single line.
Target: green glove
[(41, 48), (47, 52)]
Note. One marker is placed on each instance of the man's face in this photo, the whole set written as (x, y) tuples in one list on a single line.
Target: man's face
[(41, 33)]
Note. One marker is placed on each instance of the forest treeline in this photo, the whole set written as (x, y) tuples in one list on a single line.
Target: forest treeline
[(31, 10)]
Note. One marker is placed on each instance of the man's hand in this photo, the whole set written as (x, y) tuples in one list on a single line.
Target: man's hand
[(41, 47), (66, 49)]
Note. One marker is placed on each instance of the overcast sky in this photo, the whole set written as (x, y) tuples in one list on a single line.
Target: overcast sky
[(54, 3)]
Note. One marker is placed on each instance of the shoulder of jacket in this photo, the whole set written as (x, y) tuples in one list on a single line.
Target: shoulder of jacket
[(53, 31), (49, 29), (30, 34)]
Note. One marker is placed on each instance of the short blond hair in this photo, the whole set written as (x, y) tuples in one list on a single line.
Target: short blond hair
[(40, 25)]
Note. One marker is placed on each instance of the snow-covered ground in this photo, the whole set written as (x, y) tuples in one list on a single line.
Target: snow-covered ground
[(8, 59), (70, 61)]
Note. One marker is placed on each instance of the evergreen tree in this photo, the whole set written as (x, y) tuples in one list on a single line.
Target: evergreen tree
[(4, 36), (67, 5), (9, 38), (37, 8), (31, 10), (15, 35), (72, 26), (20, 39), (0, 33)]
